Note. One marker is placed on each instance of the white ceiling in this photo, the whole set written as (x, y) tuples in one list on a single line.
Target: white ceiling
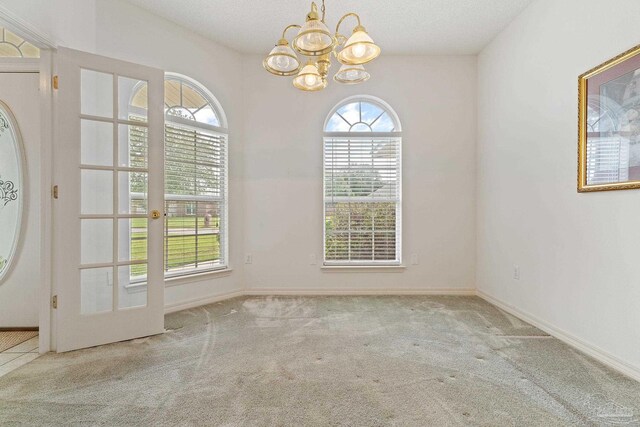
[(417, 27)]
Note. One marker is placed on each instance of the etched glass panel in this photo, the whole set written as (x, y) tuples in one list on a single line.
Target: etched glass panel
[(11, 189)]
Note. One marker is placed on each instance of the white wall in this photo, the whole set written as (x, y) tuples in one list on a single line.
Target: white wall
[(435, 98), (70, 23), (578, 253)]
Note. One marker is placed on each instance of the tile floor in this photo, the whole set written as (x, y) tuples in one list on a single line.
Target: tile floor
[(18, 356)]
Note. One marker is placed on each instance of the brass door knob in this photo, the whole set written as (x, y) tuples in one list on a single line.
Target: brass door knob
[(155, 214)]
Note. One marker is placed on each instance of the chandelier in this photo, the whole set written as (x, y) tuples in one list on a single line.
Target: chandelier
[(315, 41)]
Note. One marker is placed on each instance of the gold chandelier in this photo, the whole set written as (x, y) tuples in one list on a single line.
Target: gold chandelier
[(315, 41)]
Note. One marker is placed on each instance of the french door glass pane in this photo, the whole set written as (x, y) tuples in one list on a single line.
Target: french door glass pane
[(130, 295), (133, 189), (96, 242), (132, 99), (133, 239), (97, 143), (97, 94), (132, 146), (96, 192), (96, 290)]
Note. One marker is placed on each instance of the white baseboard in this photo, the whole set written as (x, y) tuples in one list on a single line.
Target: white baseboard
[(198, 302), (596, 352), (357, 292)]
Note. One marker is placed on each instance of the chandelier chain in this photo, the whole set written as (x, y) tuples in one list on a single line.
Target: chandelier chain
[(323, 9)]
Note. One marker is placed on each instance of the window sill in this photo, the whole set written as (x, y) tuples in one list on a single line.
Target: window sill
[(197, 277), (182, 280), (363, 268)]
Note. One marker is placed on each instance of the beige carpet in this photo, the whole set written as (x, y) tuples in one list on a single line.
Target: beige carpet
[(326, 361), (12, 339)]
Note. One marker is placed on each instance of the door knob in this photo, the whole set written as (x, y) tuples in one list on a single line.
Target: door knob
[(155, 214)]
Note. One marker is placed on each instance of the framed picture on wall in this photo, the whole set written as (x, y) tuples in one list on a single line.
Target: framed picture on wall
[(609, 125)]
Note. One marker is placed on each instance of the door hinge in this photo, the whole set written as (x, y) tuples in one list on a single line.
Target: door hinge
[(55, 191), (54, 301), (55, 83)]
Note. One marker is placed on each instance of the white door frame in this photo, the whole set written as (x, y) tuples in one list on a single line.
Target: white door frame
[(44, 66)]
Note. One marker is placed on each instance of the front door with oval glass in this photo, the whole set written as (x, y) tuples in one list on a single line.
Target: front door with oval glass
[(11, 189)]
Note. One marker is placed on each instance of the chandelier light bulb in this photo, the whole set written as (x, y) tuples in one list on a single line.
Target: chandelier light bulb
[(309, 79), (282, 62), (359, 51), (313, 41)]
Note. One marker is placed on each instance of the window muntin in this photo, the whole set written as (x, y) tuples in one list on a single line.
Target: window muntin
[(14, 46), (361, 116), (362, 184), (185, 100), (195, 232)]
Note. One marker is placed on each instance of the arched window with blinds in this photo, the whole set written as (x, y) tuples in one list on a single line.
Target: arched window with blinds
[(362, 184), (195, 169)]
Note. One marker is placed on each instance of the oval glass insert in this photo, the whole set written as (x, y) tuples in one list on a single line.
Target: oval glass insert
[(11, 188)]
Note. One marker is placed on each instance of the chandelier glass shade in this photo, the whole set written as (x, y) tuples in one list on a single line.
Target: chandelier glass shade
[(282, 60), (315, 41), (309, 78), (351, 74), (359, 49)]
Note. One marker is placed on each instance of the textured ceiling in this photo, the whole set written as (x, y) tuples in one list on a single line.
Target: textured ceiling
[(398, 26)]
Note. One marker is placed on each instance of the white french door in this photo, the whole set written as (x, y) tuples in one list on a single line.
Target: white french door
[(108, 169)]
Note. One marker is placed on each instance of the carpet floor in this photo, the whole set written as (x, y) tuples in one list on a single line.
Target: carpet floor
[(358, 361)]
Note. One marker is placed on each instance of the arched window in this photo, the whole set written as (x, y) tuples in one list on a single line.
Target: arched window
[(14, 46), (195, 170), (362, 183), (195, 178)]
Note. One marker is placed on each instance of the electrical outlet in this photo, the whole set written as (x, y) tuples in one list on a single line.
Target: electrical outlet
[(248, 259), (313, 260), (516, 272), (415, 260)]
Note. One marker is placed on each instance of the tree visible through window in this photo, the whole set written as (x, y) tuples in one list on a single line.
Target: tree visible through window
[(362, 184)]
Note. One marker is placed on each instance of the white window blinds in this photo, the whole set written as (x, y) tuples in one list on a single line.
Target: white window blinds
[(195, 198), (362, 181)]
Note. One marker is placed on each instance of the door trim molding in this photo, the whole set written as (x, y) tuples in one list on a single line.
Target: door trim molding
[(43, 66), (24, 29)]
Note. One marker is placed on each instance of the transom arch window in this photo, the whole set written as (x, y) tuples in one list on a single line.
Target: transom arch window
[(362, 183), (14, 46), (195, 170)]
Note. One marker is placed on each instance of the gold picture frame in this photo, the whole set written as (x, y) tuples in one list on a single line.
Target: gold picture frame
[(609, 125)]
